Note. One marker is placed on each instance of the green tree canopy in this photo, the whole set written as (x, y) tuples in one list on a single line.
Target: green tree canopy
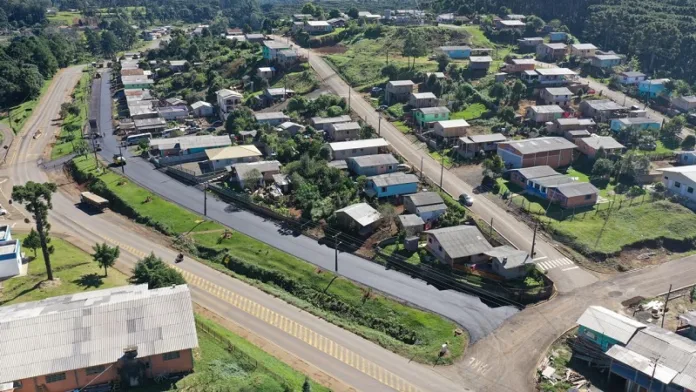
[(36, 198), (105, 256), (153, 271)]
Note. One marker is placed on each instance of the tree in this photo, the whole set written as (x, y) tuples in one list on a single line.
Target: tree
[(414, 46), (499, 91), (36, 198), (388, 213), (689, 142), (240, 119), (153, 271), (443, 61), (602, 168), (109, 44), (673, 127), (32, 241), (105, 256), (353, 13), (493, 167), (334, 13), (519, 90), (306, 386), (507, 114)]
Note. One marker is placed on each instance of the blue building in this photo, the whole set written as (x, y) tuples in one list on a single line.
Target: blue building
[(558, 36), (639, 123), (652, 87), (456, 52), (10, 254), (373, 165), (605, 328), (391, 184)]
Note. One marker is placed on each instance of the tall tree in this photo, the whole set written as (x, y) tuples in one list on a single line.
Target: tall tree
[(153, 271), (306, 386), (36, 198), (105, 256), (32, 241)]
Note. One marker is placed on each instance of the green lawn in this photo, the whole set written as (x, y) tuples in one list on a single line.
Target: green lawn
[(438, 156), (64, 18), (22, 112), (71, 130), (398, 250), (473, 111), (402, 127), (301, 82), (396, 110), (478, 38), (75, 269)]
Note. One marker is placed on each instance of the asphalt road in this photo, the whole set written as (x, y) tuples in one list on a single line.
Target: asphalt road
[(468, 311), (353, 361)]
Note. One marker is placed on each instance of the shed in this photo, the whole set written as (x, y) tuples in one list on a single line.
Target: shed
[(606, 328), (412, 224), (361, 217), (508, 262)]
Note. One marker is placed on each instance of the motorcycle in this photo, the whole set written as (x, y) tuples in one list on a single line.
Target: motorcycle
[(179, 258)]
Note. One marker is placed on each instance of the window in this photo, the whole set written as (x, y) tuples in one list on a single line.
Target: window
[(677, 184), (588, 197), (94, 370), (430, 240), (55, 377), (690, 190), (439, 248), (170, 356), (384, 189)]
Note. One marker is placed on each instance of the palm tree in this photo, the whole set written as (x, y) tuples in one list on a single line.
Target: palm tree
[(105, 256)]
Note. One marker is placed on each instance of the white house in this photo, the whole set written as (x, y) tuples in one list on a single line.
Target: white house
[(202, 109), (228, 101), (631, 77), (680, 180)]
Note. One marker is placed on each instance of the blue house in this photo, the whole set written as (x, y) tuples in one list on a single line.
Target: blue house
[(639, 123), (391, 184), (10, 254), (558, 36), (606, 328), (373, 165), (456, 52), (652, 87)]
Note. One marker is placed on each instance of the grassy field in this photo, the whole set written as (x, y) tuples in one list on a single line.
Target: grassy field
[(71, 130), (430, 329), (64, 18), (438, 156), (472, 112), (401, 126), (301, 82), (22, 112), (398, 250), (75, 269)]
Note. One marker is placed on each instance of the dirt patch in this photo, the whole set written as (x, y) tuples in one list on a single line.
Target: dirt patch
[(523, 105), (337, 49), (472, 174), (49, 284), (680, 302)]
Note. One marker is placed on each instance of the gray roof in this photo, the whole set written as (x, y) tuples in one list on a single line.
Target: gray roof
[(275, 44), (604, 104), (490, 138), (461, 241), (374, 160), (648, 366), (331, 120), (410, 220), (270, 116), (556, 46), (573, 189), (262, 166), (255, 36), (540, 144), (186, 142), (357, 144), (362, 213), (434, 110), (397, 178), (607, 57), (427, 95), (278, 91), (344, 126), (509, 257), (480, 59), (555, 71), (432, 207), (690, 318), (575, 121), (397, 83), (672, 351), (455, 47), (536, 172), (92, 328), (632, 74), (425, 198), (597, 142), (637, 120), (583, 46), (523, 61), (611, 324), (146, 123), (558, 91), (552, 181), (688, 98), (547, 109), (339, 164)]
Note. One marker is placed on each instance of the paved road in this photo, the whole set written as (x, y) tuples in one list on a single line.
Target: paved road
[(351, 360), (567, 277), (468, 311)]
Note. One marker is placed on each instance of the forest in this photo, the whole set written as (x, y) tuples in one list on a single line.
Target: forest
[(660, 34)]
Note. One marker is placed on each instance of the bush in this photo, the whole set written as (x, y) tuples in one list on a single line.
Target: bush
[(659, 187), (636, 191)]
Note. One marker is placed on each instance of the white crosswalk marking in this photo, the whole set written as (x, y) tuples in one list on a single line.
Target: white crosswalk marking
[(551, 264)]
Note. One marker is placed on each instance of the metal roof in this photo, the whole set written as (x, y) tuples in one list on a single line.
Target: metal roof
[(533, 172), (362, 213), (275, 44), (461, 241), (523, 61), (611, 324), (331, 120), (186, 142), (688, 98), (552, 181), (574, 189), (92, 328), (547, 109), (397, 178), (434, 110), (490, 138), (438, 75), (279, 91), (686, 171), (597, 142), (555, 71), (632, 74), (424, 198), (452, 123), (224, 93), (270, 116), (374, 160), (454, 47), (410, 220), (432, 207), (607, 57), (579, 132), (262, 166), (575, 121), (540, 144), (317, 23), (357, 144), (644, 365), (556, 46), (427, 95), (200, 104), (150, 123), (480, 59), (339, 164), (583, 46), (603, 104), (637, 120), (401, 83), (8, 247), (233, 152), (344, 126), (179, 63), (509, 257), (512, 23), (558, 91)]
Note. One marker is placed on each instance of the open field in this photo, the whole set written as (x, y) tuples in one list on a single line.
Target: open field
[(64, 18), (471, 112)]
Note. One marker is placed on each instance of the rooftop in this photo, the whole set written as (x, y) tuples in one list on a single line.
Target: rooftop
[(512, 23), (8, 247), (583, 46), (559, 91), (575, 121), (424, 198), (178, 63), (270, 116), (242, 169), (628, 121), (438, 75), (604, 104), (607, 57), (362, 213), (434, 110), (317, 23), (579, 132), (480, 59), (274, 91), (330, 120), (553, 181), (147, 123), (523, 61), (200, 104), (345, 126), (688, 98), (186, 142), (556, 46), (411, 220), (424, 95), (275, 45), (401, 83), (533, 172), (255, 36), (540, 144), (632, 74), (611, 324), (573, 189), (452, 123), (461, 241), (92, 328), (233, 152), (454, 47), (597, 142), (397, 178), (547, 109), (555, 72), (687, 171), (509, 257), (224, 93), (375, 160), (358, 144), (490, 138)]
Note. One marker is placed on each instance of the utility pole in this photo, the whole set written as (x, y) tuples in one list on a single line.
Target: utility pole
[(664, 309), (336, 244), (442, 168), (379, 125), (534, 238), (421, 170), (123, 167), (205, 199), (349, 97)]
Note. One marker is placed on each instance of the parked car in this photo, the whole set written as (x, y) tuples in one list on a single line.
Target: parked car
[(466, 199), (376, 91), (382, 108)]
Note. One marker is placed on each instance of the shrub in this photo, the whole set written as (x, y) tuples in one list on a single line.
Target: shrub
[(659, 187)]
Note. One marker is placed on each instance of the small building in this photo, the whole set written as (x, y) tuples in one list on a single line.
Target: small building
[(680, 181), (266, 73), (360, 217), (520, 65), (260, 172), (136, 82), (550, 77), (605, 328), (178, 65), (558, 36), (292, 127), (186, 145), (429, 206), (317, 27), (544, 113), (583, 51), (480, 62), (343, 150), (321, 123), (605, 61), (423, 100), (202, 109), (524, 177), (255, 38), (228, 101), (273, 95), (174, 101), (220, 158), (552, 151), (573, 194), (510, 25), (426, 117), (411, 224), (590, 145), (652, 88), (545, 183), (372, 165), (560, 125), (471, 145), (456, 52), (509, 262), (574, 134), (173, 113), (684, 158), (684, 103), (551, 52), (556, 96), (450, 129), (340, 132), (398, 91), (10, 255), (530, 43), (287, 57), (271, 49), (271, 118), (458, 245), (302, 17), (602, 110), (337, 22), (637, 123), (631, 77), (152, 125), (391, 184)]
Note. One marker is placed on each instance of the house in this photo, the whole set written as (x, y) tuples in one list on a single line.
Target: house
[(136, 82), (471, 145), (372, 165), (129, 64), (520, 65), (426, 117), (340, 132), (530, 43), (605, 328), (273, 95), (220, 158), (173, 113), (291, 127), (202, 109), (524, 176), (509, 262), (391, 184), (411, 224), (480, 62), (423, 100), (680, 181), (605, 61), (552, 76), (337, 22), (398, 91), (344, 150), (574, 194), (631, 77), (583, 51), (558, 36), (317, 27), (266, 73), (271, 49), (562, 124), (178, 65), (450, 129), (545, 183), (429, 206), (437, 75), (287, 57), (556, 96), (551, 52), (94, 338), (322, 123), (684, 104), (133, 72), (458, 245), (150, 125), (684, 158), (10, 254), (360, 217), (245, 174), (255, 38), (174, 102), (302, 17), (515, 17), (510, 25), (638, 123), (228, 101), (602, 110), (544, 113), (574, 134), (271, 118), (456, 52), (552, 151), (652, 88), (186, 145)]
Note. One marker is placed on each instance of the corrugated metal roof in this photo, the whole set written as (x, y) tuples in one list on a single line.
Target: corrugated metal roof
[(597, 142), (611, 324), (242, 169), (331, 120), (427, 95), (434, 110), (357, 144), (540, 144), (186, 142), (397, 83), (397, 178), (480, 59), (603, 104), (536, 172), (275, 44), (553, 181), (583, 46), (89, 329), (461, 241), (687, 378), (493, 137), (233, 152), (362, 213), (555, 72), (452, 124), (424, 198), (345, 126), (432, 207), (644, 365), (558, 91), (375, 160), (577, 189), (271, 116), (509, 257), (410, 220)]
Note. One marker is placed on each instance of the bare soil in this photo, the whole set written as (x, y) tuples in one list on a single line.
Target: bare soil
[(472, 174), (336, 49)]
